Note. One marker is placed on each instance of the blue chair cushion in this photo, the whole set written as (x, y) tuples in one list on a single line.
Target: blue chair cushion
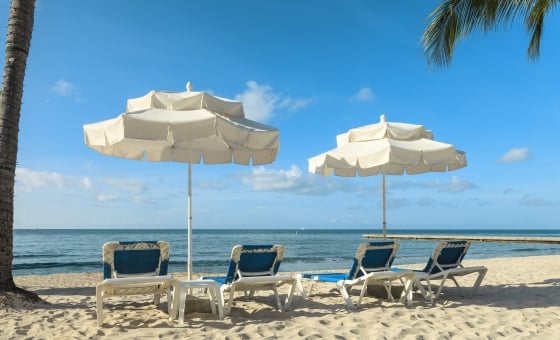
[(136, 261)]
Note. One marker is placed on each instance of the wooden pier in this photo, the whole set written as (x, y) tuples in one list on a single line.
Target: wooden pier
[(505, 239)]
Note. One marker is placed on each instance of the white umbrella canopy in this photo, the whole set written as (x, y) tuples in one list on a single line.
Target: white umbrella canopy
[(188, 127), (388, 149)]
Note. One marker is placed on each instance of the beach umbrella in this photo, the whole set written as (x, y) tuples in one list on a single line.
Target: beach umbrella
[(188, 127), (388, 149)]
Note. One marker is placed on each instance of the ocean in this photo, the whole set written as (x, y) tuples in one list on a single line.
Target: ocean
[(47, 251)]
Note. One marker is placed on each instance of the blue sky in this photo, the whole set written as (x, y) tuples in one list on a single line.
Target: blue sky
[(313, 69)]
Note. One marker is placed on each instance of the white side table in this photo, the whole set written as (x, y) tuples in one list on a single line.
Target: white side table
[(181, 290)]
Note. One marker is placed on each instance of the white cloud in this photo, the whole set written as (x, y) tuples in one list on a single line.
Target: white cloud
[(86, 183), (262, 179), (396, 203), (132, 187), (211, 185), (260, 102), (363, 95), (515, 155), (457, 185), (402, 183), (535, 201), (27, 180), (103, 190), (63, 88), (294, 105), (101, 197)]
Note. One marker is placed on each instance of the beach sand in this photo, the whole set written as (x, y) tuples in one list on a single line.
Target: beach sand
[(519, 299)]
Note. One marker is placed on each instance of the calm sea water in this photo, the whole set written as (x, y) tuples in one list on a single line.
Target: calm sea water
[(46, 251)]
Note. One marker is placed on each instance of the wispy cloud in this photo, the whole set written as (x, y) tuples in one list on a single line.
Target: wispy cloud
[(62, 88), (536, 201), (396, 203), (132, 187), (292, 180), (363, 95), (294, 105), (103, 197), (457, 185), (65, 88), (28, 180), (261, 103), (426, 202), (515, 155), (403, 183), (211, 185), (103, 190), (262, 179)]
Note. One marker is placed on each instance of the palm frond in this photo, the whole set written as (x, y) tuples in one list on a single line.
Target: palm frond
[(453, 20), (534, 23)]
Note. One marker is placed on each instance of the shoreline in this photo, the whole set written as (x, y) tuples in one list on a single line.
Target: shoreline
[(218, 273), (518, 299)]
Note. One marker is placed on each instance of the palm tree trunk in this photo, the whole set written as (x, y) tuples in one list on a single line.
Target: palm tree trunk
[(18, 39)]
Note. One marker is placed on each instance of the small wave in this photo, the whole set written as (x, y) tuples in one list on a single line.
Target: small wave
[(23, 257), (296, 259), (525, 249), (61, 265)]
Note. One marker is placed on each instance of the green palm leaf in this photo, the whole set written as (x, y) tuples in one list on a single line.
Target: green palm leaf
[(454, 20)]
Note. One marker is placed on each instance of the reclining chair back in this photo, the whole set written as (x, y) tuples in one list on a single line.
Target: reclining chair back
[(446, 255), (254, 260), (373, 257), (135, 258)]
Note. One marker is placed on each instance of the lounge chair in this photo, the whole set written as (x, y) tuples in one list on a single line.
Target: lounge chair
[(135, 268), (371, 266), (252, 268), (445, 263)]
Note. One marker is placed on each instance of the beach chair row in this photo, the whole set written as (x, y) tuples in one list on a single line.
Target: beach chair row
[(133, 268)]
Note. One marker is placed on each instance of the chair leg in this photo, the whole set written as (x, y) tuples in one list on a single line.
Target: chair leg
[(429, 291), (481, 275), (181, 307), (441, 285), (157, 299), (220, 303), (406, 295), (389, 290), (311, 288), (278, 302), (172, 302), (426, 293), (362, 294), (99, 303), (300, 287), (230, 304), (288, 302), (211, 296), (345, 295)]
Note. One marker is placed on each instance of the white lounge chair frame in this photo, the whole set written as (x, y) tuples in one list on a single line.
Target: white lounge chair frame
[(250, 281), (134, 284), (381, 275), (449, 270)]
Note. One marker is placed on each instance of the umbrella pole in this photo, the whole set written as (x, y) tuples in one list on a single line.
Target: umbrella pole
[(189, 226), (384, 208)]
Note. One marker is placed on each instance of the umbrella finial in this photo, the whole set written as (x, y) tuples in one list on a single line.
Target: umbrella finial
[(382, 118), (189, 86)]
